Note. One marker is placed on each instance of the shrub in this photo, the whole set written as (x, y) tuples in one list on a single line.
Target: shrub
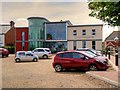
[(11, 49)]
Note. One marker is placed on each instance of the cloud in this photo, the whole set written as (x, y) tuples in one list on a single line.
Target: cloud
[(76, 12)]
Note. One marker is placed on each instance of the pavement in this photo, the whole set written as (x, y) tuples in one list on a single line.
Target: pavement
[(109, 76)]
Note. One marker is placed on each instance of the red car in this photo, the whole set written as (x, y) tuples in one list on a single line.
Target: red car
[(4, 52), (78, 60)]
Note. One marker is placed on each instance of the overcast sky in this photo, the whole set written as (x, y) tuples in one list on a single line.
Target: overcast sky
[(76, 12)]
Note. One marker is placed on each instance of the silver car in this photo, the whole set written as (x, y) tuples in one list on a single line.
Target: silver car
[(42, 52), (25, 56)]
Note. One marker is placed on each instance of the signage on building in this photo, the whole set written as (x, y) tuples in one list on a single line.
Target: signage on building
[(23, 40), (2, 38), (87, 37)]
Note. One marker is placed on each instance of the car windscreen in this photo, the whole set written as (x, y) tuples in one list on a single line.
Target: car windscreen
[(87, 54), (90, 53)]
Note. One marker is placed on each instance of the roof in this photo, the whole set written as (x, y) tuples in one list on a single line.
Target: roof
[(37, 18), (4, 28), (86, 25), (113, 35), (67, 21)]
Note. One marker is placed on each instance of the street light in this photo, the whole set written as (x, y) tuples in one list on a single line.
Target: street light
[(116, 39)]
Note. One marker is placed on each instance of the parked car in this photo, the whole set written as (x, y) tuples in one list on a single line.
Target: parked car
[(42, 52), (4, 52), (97, 52), (95, 55), (25, 56), (78, 60)]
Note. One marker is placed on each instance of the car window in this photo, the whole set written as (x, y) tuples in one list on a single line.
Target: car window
[(77, 55), (67, 55), (60, 55), (29, 54), (47, 50), (40, 50), (21, 54)]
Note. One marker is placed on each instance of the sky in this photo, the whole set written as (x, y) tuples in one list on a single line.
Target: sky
[(77, 12)]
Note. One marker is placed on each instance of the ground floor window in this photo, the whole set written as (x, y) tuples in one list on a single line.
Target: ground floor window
[(93, 45), (83, 44), (56, 46), (74, 45)]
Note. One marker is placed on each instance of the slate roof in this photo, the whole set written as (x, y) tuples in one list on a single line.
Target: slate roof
[(113, 35)]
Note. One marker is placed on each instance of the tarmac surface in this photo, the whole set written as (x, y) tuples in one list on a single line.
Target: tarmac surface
[(111, 76), (42, 75)]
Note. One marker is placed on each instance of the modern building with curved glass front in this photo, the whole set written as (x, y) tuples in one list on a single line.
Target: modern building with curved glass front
[(36, 32)]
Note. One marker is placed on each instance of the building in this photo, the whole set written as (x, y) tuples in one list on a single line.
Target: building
[(10, 35), (36, 32), (85, 36), (56, 35), (110, 40), (4, 28), (21, 40)]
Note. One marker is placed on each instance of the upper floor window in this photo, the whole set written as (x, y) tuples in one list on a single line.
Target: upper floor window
[(74, 32), (93, 31), (83, 32)]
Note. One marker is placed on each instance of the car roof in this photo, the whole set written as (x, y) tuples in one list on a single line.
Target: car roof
[(41, 48), (83, 48), (69, 51)]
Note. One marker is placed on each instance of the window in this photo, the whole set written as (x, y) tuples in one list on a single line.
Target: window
[(83, 32), (74, 46), (83, 44), (67, 55), (74, 32), (22, 54), (40, 50), (60, 55), (77, 55), (93, 45), (93, 31)]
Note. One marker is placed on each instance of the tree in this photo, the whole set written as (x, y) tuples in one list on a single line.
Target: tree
[(106, 11)]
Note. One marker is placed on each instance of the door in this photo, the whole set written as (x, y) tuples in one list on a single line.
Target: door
[(39, 52), (80, 60), (29, 57), (67, 60)]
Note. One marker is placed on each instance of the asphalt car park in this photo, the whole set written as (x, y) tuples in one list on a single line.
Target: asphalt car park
[(41, 74)]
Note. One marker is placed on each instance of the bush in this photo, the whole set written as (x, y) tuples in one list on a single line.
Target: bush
[(11, 49)]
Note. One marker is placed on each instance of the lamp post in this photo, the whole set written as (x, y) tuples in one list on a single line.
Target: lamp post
[(116, 51)]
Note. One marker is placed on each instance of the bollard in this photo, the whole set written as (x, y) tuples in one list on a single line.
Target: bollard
[(116, 57), (109, 54)]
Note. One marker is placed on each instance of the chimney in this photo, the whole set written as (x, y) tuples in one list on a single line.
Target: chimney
[(12, 24)]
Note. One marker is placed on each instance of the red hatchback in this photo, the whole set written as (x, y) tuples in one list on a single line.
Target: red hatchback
[(4, 52), (78, 60)]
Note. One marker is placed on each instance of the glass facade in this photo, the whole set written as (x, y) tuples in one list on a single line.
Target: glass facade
[(36, 32), (56, 31), (56, 46)]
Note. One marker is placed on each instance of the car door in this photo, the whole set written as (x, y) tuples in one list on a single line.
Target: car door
[(67, 60), (22, 56), (29, 56), (39, 52), (79, 60)]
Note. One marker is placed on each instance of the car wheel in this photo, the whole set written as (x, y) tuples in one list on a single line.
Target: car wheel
[(93, 67), (45, 56), (35, 60), (58, 68), (17, 60)]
